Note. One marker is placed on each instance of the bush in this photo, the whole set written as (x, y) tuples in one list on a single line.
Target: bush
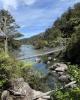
[(67, 94), (74, 72), (71, 93), (34, 78), (10, 68)]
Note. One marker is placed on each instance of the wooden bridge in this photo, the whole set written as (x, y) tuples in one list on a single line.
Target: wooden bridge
[(44, 53)]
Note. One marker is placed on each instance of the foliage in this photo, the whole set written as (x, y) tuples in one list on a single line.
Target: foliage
[(40, 43), (11, 26), (33, 77), (74, 72), (61, 95), (71, 93), (73, 48), (67, 94), (9, 68)]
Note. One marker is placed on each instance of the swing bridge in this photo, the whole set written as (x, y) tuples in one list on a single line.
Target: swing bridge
[(45, 52)]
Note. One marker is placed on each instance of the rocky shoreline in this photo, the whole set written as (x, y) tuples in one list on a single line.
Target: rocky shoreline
[(20, 90)]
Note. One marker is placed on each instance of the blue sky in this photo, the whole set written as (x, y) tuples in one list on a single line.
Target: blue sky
[(35, 16)]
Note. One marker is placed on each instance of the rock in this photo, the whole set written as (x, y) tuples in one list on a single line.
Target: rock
[(64, 66), (21, 90), (52, 67), (38, 93), (61, 67), (41, 99), (74, 85), (48, 62), (55, 65), (49, 58), (5, 95), (54, 73), (54, 59), (60, 73), (22, 87), (38, 60), (64, 78)]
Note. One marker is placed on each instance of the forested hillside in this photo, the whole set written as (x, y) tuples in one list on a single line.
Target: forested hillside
[(65, 31)]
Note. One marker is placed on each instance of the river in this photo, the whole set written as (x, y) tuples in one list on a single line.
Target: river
[(27, 51)]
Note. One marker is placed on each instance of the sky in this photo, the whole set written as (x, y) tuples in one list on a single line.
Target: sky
[(35, 16)]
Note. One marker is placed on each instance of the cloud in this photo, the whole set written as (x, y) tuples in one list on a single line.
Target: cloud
[(14, 4), (29, 2), (9, 3)]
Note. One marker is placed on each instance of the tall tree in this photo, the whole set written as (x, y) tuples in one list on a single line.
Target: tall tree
[(8, 26)]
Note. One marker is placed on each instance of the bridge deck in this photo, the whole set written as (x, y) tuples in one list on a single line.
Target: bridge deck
[(42, 54)]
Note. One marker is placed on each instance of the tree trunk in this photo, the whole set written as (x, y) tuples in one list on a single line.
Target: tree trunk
[(6, 45)]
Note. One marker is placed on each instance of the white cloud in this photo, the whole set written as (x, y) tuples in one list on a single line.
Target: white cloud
[(9, 3), (29, 2), (13, 4)]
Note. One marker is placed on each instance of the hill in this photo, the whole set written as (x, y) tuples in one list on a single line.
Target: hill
[(64, 31)]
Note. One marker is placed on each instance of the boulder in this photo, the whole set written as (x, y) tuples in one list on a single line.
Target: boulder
[(61, 67), (38, 60), (64, 66), (53, 66), (5, 95), (60, 73), (41, 99), (54, 59), (48, 62), (21, 90), (49, 58), (54, 73), (38, 94), (64, 78), (56, 65)]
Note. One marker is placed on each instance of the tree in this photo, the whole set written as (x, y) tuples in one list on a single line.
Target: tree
[(8, 26)]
